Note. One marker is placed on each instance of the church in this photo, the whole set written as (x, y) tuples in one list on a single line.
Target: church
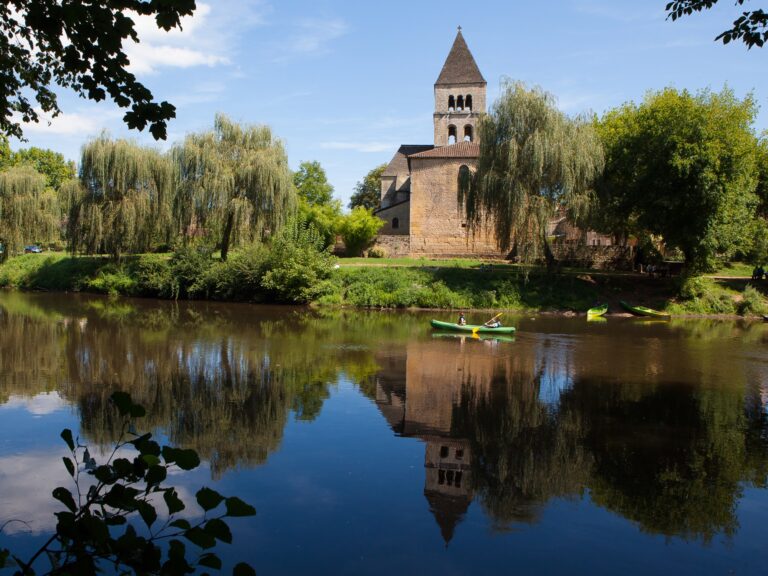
[(419, 187)]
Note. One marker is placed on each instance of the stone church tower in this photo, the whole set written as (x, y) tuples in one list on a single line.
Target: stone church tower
[(419, 187), (459, 96)]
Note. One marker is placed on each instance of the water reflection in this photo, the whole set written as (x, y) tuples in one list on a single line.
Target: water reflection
[(663, 425)]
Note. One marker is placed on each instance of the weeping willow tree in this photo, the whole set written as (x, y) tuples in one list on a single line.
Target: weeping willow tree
[(29, 210), (122, 202), (234, 184), (534, 162)]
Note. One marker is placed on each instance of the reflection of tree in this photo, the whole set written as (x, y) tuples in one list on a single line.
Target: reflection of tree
[(222, 380), (672, 460), (524, 452)]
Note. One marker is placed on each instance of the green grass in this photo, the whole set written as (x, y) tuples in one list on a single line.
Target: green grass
[(403, 283), (734, 269)]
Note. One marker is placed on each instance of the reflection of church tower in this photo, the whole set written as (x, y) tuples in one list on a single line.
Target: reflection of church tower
[(459, 96), (447, 487)]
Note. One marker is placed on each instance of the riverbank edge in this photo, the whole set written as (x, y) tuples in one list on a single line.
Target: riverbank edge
[(428, 288)]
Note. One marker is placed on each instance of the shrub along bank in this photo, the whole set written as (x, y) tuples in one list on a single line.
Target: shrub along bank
[(292, 271)]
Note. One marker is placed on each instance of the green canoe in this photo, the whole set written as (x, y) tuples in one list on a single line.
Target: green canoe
[(437, 325), (643, 311), (597, 311)]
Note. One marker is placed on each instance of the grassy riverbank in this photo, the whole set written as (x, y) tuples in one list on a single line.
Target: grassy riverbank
[(464, 284)]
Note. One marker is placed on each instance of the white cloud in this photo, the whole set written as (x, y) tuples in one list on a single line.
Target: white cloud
[(204, 39), (312, 36), (360, 146), (85, 122), (38, 405)]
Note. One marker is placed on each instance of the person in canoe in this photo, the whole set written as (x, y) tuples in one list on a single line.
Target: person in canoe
[(462, 321), (493, 323)]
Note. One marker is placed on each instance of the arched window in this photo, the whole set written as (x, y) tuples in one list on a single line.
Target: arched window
[(468, 102), (452, 134), (395, 223), (464, 176), (460, 103), (468, 133), (451, 104)]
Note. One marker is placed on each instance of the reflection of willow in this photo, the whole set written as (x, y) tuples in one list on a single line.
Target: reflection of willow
[(524, 453), (219, 379), (673, 460)]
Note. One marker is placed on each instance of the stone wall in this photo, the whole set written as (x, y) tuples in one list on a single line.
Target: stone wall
[(443, 117), (400, 211), (438, 225), (597, 257), (393, 246)]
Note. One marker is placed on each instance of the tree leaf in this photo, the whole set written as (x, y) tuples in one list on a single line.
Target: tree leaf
[(147, 512), (208, 499), (181, 523), (173, 501), (70, 466), (210, 561), (200, 537), (243, 569), (236, 507), (219, 530), (65, 497), (66, 434), (155, 475), (187, 459), (122, 401)]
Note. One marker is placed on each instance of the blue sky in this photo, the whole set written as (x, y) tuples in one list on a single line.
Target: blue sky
[(346, 82)]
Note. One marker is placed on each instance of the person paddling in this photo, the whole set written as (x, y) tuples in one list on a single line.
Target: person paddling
[(493, 322), (462, 321)]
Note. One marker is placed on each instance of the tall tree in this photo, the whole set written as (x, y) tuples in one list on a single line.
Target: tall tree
[(234, 183), (368, 192), (28, 210), (682, 166), (78, 44), (50, 164), (123, 201), (534, 161), (751, 27), (312, 184)]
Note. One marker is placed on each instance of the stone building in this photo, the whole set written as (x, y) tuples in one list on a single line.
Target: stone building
[(420, 185)]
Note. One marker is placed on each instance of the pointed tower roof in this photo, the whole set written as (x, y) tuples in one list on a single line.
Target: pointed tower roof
[(460, 66)]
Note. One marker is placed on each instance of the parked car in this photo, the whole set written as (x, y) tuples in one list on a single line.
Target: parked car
[(34, 249)]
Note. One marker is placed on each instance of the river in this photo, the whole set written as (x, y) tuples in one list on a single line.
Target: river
[(370, 445)]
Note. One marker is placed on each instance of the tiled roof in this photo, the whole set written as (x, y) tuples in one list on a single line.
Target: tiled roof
[(399, 162), (460, 150), (460, 66)]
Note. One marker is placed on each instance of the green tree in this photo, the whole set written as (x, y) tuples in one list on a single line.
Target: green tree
[(358, 229), (368, 192), (312, 184), (234, 183), (682, 166), (78, 45), (50, 164), (316, 203), (122, 202), (5, 153), (28, 210), (751, 27), (534, 160)]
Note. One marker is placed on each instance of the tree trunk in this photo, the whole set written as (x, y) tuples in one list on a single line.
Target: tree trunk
[(549, 256), (226, 236)]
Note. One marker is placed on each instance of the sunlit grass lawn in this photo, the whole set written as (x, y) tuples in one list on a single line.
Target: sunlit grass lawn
[(734, 269)]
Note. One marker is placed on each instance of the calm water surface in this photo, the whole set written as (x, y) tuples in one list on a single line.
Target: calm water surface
[(369, 445)]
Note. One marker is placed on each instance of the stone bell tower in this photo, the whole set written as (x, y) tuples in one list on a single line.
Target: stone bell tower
[(459, 96)]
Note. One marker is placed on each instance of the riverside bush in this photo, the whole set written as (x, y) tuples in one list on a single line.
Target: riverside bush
[(752, 302), (297, 265)]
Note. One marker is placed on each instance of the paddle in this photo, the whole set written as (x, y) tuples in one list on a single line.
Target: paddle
[(474, 330)]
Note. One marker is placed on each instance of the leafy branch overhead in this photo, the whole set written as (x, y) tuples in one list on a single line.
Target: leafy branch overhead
[(751, 27), (78, 44), (101, 529)]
